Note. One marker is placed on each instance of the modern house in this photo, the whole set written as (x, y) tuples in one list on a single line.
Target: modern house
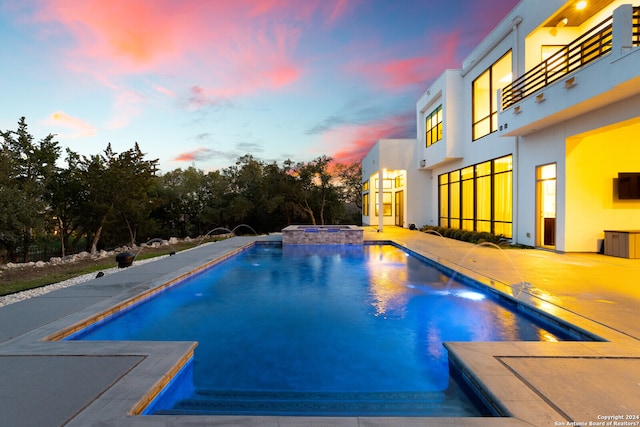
[(536, 136)]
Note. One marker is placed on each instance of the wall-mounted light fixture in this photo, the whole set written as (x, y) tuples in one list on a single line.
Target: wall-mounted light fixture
[(570, 82)]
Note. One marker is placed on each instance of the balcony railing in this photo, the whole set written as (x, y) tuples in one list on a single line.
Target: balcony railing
[(636, 26), (590, 46)]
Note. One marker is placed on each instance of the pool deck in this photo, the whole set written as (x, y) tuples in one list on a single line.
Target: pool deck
[(53, 383)]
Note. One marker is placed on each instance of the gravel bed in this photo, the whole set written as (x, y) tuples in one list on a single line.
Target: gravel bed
[(24, 295)]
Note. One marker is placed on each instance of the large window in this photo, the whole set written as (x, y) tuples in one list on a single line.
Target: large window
[(433, 126), (485, 96), (478, 197)]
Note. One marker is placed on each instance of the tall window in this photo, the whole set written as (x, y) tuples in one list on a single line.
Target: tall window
[(433, 126), (485, 96), (478, 197), (503, 195), (365, 204)]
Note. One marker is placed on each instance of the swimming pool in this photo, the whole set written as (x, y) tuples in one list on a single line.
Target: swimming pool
[(321, 330)]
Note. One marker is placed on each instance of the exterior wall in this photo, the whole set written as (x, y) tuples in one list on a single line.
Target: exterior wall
[(445, 91), (389, 155), (593, 163), (544, 148), (589, 152)]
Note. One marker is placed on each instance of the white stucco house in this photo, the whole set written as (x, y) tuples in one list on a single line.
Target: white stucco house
[(536, 136)]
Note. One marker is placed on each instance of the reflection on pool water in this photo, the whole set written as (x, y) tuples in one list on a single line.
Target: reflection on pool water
[(321, 330)]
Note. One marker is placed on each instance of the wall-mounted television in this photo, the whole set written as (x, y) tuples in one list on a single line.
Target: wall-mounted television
[(629, 185)]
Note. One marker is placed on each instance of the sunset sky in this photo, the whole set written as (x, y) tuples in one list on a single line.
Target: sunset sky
[(202, 82)]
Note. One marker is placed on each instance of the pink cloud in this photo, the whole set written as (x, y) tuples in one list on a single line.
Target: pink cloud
[(340, 8), (163, 90), (78, 127), (351, 143), (192, 156), (399, 73), (227, 47)]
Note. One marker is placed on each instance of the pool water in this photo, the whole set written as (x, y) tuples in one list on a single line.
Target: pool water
[(322, 330)]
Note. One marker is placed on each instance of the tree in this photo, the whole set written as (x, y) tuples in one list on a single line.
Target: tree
[(28, 167), (349, 179), (182, 197), (315, 187), (116, 192)]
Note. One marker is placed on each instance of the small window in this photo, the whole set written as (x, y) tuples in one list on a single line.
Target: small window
[(433, 126), (386, 204)]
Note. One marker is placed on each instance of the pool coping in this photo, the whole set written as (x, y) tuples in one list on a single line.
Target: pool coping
[(483, 364)]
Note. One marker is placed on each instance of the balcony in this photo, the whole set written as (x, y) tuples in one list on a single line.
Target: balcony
[(594, 44)]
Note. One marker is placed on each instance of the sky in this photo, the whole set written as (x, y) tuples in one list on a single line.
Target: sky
[(203, 82)]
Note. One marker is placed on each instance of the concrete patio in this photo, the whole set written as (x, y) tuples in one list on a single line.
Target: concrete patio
[(52, 383)]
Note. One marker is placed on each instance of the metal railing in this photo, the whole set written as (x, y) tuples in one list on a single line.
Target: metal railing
[(636, 26), (590, 46)]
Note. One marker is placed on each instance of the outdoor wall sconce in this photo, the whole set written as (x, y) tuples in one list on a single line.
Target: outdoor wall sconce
[(570, 82), (539, 98)]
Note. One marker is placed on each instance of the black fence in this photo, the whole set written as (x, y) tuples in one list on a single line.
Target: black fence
[(43, 251)]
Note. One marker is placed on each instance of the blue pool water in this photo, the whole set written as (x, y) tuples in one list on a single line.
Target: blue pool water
[(322, 330)]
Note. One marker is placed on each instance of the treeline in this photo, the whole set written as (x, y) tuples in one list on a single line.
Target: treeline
[(109, 199)]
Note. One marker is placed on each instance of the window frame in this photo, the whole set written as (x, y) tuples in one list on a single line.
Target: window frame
[(490, 119), (451, 186), (433, 129)]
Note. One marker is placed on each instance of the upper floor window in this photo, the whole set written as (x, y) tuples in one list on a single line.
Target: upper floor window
[(433, 126), (485, 96)]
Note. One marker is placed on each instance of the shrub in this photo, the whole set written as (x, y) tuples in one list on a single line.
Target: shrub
[(457, 234), (468, 236), (484, 236)]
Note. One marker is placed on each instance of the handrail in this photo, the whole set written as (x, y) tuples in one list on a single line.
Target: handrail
[(636, 26), (590, 46)]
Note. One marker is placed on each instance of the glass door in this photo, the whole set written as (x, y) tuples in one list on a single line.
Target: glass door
[(546, 206), (399, 208)]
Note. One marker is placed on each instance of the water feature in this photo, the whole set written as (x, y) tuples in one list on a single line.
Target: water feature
[(521, 283), (444, 239), (231, 232), (321, 330)]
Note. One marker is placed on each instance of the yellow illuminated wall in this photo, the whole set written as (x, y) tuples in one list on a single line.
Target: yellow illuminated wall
[(592, 166)]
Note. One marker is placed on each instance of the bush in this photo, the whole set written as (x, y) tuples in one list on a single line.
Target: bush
[(484, 236), (466, 235)]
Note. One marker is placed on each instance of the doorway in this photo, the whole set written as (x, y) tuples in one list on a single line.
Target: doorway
[(399, 208), (546, 206)]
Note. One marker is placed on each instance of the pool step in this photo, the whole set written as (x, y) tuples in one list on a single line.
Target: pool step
[(216, 402)]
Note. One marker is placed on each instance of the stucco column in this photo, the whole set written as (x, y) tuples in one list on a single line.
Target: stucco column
[(380, 197), (622, 30)]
